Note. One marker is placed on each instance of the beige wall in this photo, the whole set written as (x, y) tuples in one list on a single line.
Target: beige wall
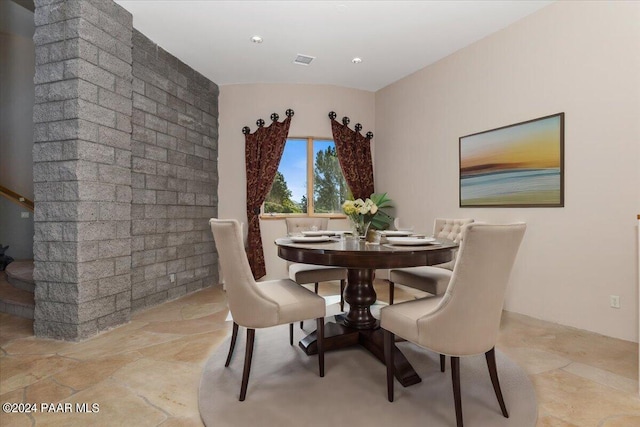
[(242, 105), (581, 58)]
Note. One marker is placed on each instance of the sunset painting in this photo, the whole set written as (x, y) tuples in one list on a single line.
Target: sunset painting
[(519, 165)]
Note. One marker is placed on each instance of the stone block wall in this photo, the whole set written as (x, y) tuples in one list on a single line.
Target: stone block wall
[(119, 208), (174, 176), (82, 172)]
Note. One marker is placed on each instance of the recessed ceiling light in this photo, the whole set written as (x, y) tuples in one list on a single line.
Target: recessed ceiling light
[(356, 60), (256, 39)]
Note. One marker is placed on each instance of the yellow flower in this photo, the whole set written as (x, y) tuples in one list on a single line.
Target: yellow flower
[(365, 211), (354, 208)]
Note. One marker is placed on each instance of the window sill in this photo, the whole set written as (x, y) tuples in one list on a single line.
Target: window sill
[(283, 216)]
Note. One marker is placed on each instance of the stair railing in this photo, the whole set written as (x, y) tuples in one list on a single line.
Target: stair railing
[(16, 198)]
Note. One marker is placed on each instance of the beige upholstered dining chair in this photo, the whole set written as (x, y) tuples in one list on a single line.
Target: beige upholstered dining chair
[(257, 305), (433, 279), (308, 273), (465, 320)]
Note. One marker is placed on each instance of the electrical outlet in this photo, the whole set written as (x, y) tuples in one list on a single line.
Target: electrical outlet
[(172, 277), (24, 214), (615, 301)]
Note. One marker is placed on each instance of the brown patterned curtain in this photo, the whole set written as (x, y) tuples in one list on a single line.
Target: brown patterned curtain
[(354, 155), (263, 150)]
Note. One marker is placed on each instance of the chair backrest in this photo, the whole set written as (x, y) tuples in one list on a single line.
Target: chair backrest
[(297, 225), (451, 229), (445, 228), (249, 306), (468, 318)]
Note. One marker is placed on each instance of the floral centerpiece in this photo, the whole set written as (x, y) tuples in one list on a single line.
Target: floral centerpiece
[(367, 213)]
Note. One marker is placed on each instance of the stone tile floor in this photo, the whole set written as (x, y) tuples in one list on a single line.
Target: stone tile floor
[(146, 373)]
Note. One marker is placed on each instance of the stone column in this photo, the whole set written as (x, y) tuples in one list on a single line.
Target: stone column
[(82, 167)]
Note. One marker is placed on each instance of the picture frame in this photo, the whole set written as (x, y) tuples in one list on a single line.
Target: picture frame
[(519, 165)]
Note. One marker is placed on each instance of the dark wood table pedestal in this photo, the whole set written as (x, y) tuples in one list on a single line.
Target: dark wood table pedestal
[(337, 336), (358, 326)]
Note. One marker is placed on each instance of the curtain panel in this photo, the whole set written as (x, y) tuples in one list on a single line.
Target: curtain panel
[(263, 150), (354, 155)]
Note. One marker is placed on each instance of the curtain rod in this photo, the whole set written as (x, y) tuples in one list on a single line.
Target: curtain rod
[(346, 120), (274, 118)]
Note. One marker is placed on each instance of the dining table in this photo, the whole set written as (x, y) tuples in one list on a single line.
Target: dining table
[(358, 326)]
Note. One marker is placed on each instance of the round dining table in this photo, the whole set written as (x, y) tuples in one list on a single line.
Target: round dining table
[(358, 326)]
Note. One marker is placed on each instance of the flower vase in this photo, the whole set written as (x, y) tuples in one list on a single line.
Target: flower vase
[(360, 228)]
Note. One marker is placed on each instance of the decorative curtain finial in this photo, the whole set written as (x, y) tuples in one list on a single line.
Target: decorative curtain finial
[(260, 123), (333, 115), (274, 117), (369, 135), (345, 120), (289, 112), (246, 130)]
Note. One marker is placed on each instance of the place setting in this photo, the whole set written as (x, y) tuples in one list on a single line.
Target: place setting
[(405, 237), (313, 238), (396, 233), (318, 236), (415, 240)]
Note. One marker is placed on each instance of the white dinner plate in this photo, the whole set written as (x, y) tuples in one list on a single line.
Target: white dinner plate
[(396, 233), (411, 241), (310, 239), (318, 233)]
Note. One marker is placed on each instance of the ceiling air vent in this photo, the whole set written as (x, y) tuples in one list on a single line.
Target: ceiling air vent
[(303, 59)]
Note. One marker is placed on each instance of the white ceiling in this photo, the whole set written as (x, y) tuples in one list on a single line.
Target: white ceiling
[(393, 38)]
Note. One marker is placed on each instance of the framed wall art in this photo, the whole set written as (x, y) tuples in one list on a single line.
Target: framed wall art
[(520, 165)]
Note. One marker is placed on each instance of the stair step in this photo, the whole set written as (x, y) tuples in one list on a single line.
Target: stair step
[(15, 301), (20, 275)]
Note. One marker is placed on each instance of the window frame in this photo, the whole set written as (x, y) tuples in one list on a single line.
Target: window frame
[(310, 184)]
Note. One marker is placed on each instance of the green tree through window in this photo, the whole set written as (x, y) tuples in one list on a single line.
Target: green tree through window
[(329, 185), (279, 198), (303, 160)]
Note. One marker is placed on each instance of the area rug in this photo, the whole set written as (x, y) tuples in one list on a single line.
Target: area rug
[(285, 389)]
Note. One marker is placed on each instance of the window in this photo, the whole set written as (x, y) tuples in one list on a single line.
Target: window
[(309, 180)]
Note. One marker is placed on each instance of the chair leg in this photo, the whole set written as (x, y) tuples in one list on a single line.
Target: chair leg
[(290, 333), (493, 373), (315, 289), (234, 335), (342, 283), (391, 289), (455, 378), (320, 342), (247, 363), (388, 360), (442, 360)]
